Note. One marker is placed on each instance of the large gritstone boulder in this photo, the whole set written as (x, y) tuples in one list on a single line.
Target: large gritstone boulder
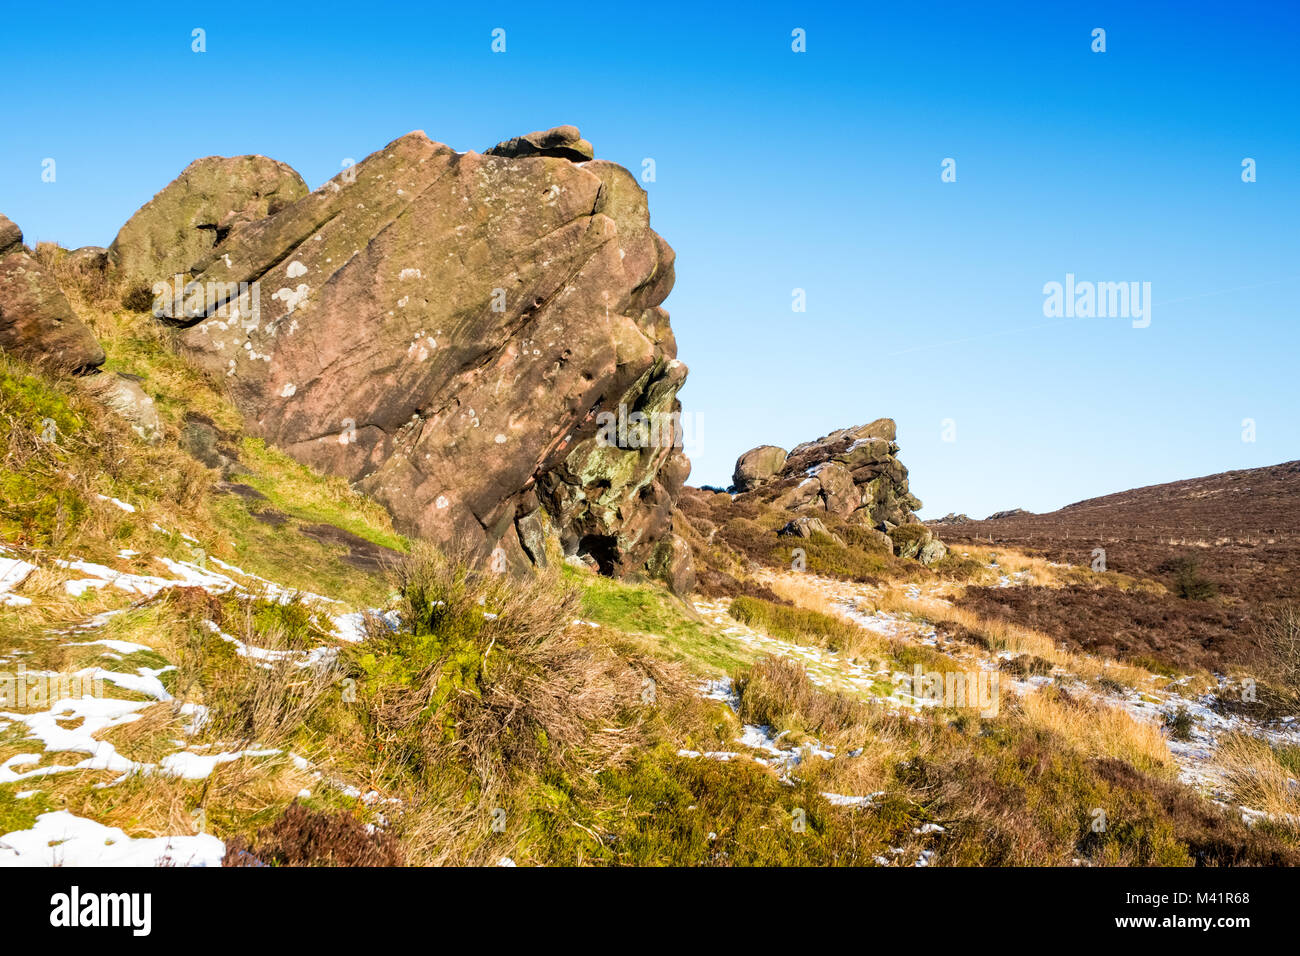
[(475, 340)]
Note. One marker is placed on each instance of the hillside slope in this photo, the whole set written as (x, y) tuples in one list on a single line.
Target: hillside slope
[(1226, 546)]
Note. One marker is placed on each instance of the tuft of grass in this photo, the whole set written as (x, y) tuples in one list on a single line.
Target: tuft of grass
[(776, 692), (799, 625), (486, 673), (1098, 729), (1179, 722), (265, 697), (1262, 777)]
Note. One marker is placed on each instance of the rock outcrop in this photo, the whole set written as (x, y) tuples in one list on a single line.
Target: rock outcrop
[(564, 142), (917, 541), (757, 466), (952, 518), (11, 237), (36, 321), (852, 475), (476, 340), (200, 209)]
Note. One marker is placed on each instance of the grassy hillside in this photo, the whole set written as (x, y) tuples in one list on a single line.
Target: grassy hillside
[(265, 671)]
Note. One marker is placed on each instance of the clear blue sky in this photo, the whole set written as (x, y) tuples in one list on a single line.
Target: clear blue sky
[(819, 171)]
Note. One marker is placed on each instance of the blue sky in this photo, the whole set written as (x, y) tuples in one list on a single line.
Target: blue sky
[(779, 170)]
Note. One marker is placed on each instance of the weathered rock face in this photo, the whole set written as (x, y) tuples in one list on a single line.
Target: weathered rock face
[(852, 474), (451, 332), (36, 321), (11, 237), (211, 199), (758, 465)]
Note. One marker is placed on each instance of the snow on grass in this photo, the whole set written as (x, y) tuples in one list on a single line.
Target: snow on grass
[(62, 839), (13, 572), (130, 509), (840, 800), (143, 681), (192, 766), (96, 714), (266, 657), (122, 647)]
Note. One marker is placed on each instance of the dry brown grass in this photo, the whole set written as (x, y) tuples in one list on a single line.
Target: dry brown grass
[(1258, 779), (1278, 639), (776, 691), (304, 837), (998, 634), (1098, 730), (250, 701)]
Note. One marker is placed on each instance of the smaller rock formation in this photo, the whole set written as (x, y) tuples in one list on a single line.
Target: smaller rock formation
[(757, 466), (851, 477), (36, 321), (852, 474), (917, 541), (87, 260), (951, 518), (562, 142)]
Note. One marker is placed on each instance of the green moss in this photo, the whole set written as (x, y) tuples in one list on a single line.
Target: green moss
[(297, 490), (20, 814), (689, 812), (35, 512), (31, 401), (651, 612), (36, 507)]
